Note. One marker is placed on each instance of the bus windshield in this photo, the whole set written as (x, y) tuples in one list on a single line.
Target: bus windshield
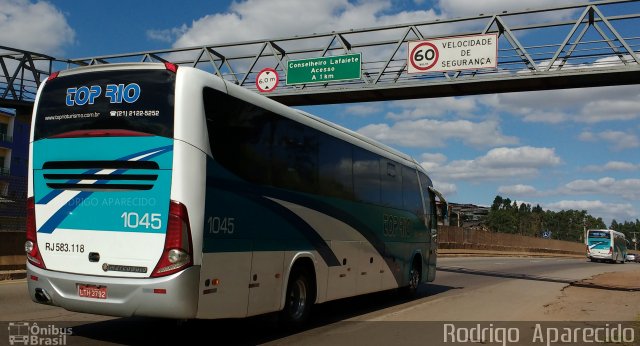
[(131, 101)]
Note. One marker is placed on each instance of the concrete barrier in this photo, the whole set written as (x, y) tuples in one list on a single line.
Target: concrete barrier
[(12, 250)]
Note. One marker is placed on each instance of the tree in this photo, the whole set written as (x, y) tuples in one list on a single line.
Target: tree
[(497, 203), (508, 217), (537, 209), (614, 224)]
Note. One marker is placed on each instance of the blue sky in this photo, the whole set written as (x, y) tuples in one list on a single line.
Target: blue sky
[(562, 149)]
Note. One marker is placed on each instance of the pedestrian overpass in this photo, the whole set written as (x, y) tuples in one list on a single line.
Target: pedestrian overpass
[(588, 45)]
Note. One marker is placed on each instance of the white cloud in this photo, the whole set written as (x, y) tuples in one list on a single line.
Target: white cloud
[(434, 107), (607, 211), (520, 157), (259, 19), (432, 161), (499, 163), (437, 158), (626, 188), (446, 189), (167, 35), (621, 140), (466, 8), (613, 166), (617, 140), (472, 171), (518, 190), (38, 27), (584, 105), (427, 133), (600, 109), (587, 136), (363, 110)]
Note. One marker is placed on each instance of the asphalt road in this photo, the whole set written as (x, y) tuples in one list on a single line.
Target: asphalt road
[(465, 289)]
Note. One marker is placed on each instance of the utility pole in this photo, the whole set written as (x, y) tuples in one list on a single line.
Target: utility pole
[(635, 240)]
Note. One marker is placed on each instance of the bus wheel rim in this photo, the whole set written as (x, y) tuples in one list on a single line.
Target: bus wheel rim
[(414, 278), (298, 299)]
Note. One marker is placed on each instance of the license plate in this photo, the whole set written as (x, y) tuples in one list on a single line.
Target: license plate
[(91, 291)]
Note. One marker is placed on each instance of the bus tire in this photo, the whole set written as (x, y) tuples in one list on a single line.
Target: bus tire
[(415, 277), (299, 298)]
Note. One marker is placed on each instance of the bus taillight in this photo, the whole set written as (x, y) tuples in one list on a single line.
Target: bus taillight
[(177, 254), (171, 67), (53, 75), (31, 245), (610, 250)]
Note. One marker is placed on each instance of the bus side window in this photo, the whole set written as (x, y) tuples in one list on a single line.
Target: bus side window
[(294, 155), (239, 136), (335, 168), (366, 176), (390, 183)]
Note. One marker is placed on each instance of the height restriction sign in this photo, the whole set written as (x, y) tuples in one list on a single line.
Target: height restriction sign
[(453, 54), (267, 80)]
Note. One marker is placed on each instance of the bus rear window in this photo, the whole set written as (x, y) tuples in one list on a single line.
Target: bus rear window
[(598, 234), (124, 102)]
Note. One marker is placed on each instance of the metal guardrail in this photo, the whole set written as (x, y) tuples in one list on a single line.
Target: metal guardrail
[(593, 44)]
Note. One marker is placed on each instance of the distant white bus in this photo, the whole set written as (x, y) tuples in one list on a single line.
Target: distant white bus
[(158, 190), (606, 245)]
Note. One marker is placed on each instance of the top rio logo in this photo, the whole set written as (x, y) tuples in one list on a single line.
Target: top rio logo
[(116, 93)]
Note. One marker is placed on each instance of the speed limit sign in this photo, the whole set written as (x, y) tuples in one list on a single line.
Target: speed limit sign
[(422, 56), (457, 53)]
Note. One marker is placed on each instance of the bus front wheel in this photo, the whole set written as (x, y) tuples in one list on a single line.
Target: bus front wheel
[(415, 277)]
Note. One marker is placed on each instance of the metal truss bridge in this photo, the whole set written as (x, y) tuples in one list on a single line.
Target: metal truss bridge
[(587, 45)]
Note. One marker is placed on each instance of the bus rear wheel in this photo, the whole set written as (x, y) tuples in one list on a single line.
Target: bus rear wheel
[(299, 298)]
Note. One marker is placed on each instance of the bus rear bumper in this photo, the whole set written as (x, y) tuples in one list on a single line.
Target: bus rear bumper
[(599, 256), (174, 296)]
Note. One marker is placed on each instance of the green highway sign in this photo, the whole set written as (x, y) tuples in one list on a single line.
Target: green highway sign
[(324, 70)]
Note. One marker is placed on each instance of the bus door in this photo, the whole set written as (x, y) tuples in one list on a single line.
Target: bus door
[(431, 222)]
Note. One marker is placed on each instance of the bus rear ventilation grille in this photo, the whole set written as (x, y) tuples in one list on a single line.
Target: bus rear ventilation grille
[(100, 165), (100, 175)]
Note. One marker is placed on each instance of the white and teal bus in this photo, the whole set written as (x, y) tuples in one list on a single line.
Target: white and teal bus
[(606, 245), (158, 190)]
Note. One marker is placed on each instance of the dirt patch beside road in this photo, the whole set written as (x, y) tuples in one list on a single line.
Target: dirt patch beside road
[(605, 297), (629, 280)]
